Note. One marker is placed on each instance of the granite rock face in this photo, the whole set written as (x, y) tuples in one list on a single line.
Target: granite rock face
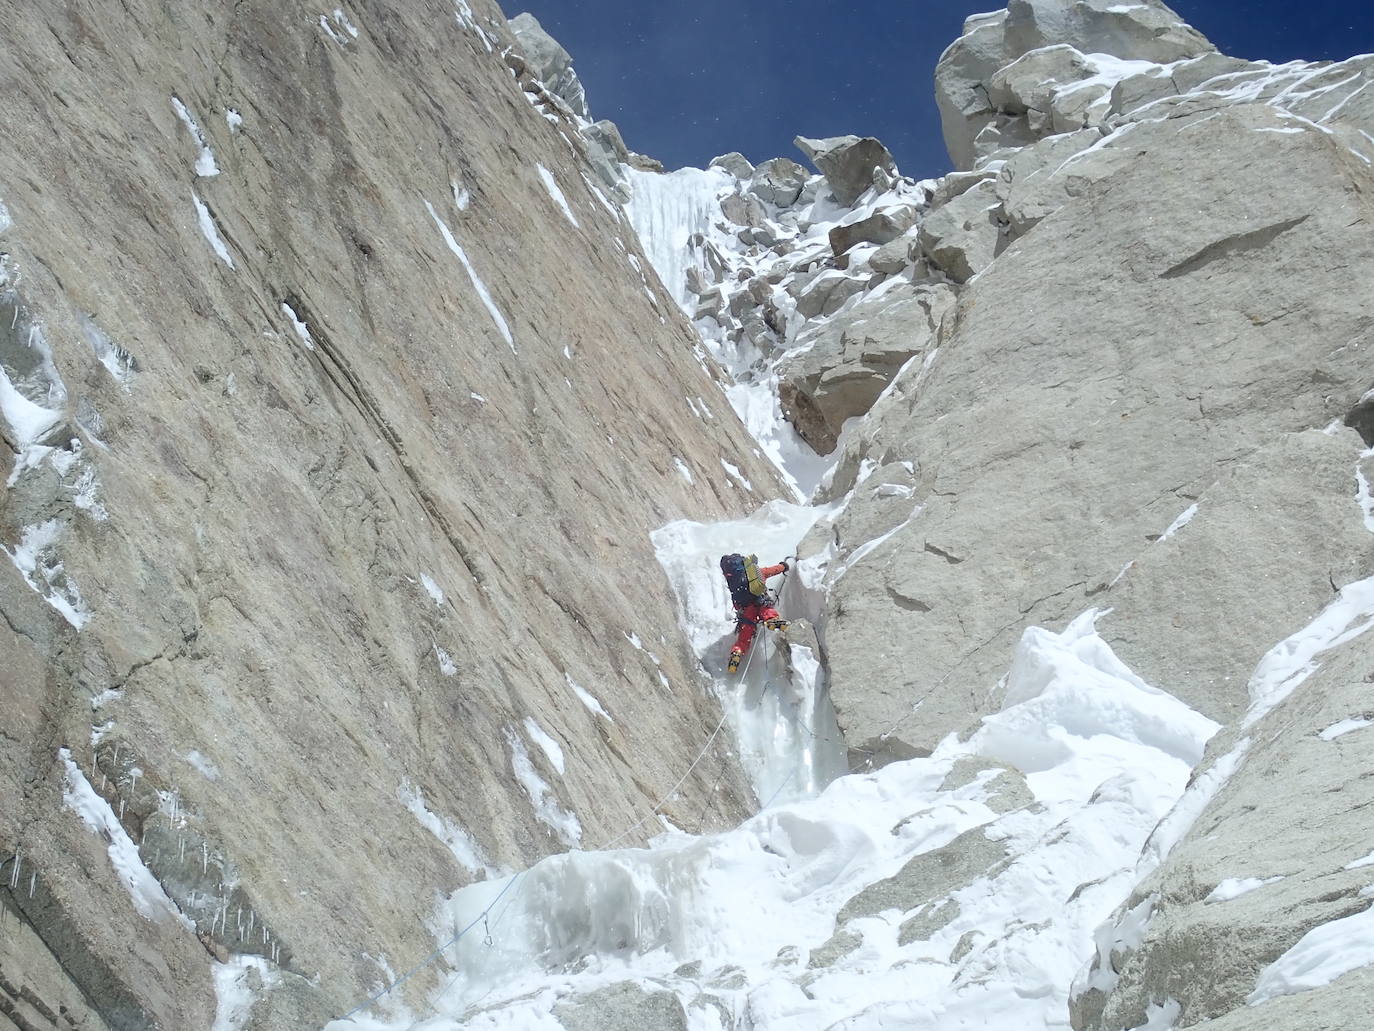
[(848, 163), (302, 322), (1069, 418)]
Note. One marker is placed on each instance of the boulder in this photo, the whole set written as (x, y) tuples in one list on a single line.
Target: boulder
[(882, 226), (549, 62), (950, 186), (961, 80), (1067, 420), (606, 152), (1029, 82), (842, 373), (779, 181), (826, 292), (735, 163), (894, 255), (847, 162), (1144, 30), (964, 76), (623, 1006), (744, 209), (962, 238)]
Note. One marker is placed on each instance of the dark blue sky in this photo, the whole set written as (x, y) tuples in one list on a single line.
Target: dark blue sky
[(686, 81)]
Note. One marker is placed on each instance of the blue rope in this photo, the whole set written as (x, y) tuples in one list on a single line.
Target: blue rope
[(436, 953)]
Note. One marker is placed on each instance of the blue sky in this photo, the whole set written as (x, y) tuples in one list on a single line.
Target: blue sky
[(686, 81)]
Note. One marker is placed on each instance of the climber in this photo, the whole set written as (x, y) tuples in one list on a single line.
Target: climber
[(753, 604)]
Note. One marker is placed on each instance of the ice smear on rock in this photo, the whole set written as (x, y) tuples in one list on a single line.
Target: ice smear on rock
[(149, 898), (482, 292), (238, 983)]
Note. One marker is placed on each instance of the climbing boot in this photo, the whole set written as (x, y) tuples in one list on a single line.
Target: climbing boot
[(733, 665), (776, 624)]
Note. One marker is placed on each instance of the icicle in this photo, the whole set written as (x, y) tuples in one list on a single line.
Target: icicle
[(121, 810), (14, 872), (204, 857), (251, 917), (33, 882), (181, 848)]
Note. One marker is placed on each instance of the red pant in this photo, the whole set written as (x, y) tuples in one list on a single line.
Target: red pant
[(747, 620)]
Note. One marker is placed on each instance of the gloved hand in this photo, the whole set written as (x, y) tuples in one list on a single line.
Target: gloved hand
[(785, 565)]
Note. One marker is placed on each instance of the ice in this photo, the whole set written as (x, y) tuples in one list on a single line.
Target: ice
[(151, 901), (755, 902), (446, 664), (302, 330), (205, 162), (35, 557), (238, 983), (477, 283), (204, 766), (210, 231), (736, 475), (6, 222), (117, 361), (233, 119), (682, 470), (546, 808), (1290, 662), (546, 744), (29, 421), (1366, 861), (551, 184), (667, 211), (1344, 727), (1318, 958), (587, 699), (432, 589), (1185, 517), (1234, 887), (455, 839)]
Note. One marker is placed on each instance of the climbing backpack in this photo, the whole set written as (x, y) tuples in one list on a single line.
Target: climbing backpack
[(744, 580)]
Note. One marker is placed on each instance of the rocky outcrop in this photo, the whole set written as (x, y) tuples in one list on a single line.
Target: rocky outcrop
[(986, 95), (549, 62), (848, 163), (291, 534), (1210, 329), (779, 181), (852, 361), (1281, 850)]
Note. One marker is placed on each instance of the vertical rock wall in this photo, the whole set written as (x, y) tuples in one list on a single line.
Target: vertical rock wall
[(337, 416)]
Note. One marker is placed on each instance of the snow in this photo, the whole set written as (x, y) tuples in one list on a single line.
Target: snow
[(551, 184), (477, 283), (6, 221), (151, 901), (455, 839), (210, 231), (233, 119), (1234, 887), (432, 589), (547, 745), (1318, 958), (1345, 727), (1366, 861), (546, 808), (682, 469), (587, 699), (1109, 755)]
